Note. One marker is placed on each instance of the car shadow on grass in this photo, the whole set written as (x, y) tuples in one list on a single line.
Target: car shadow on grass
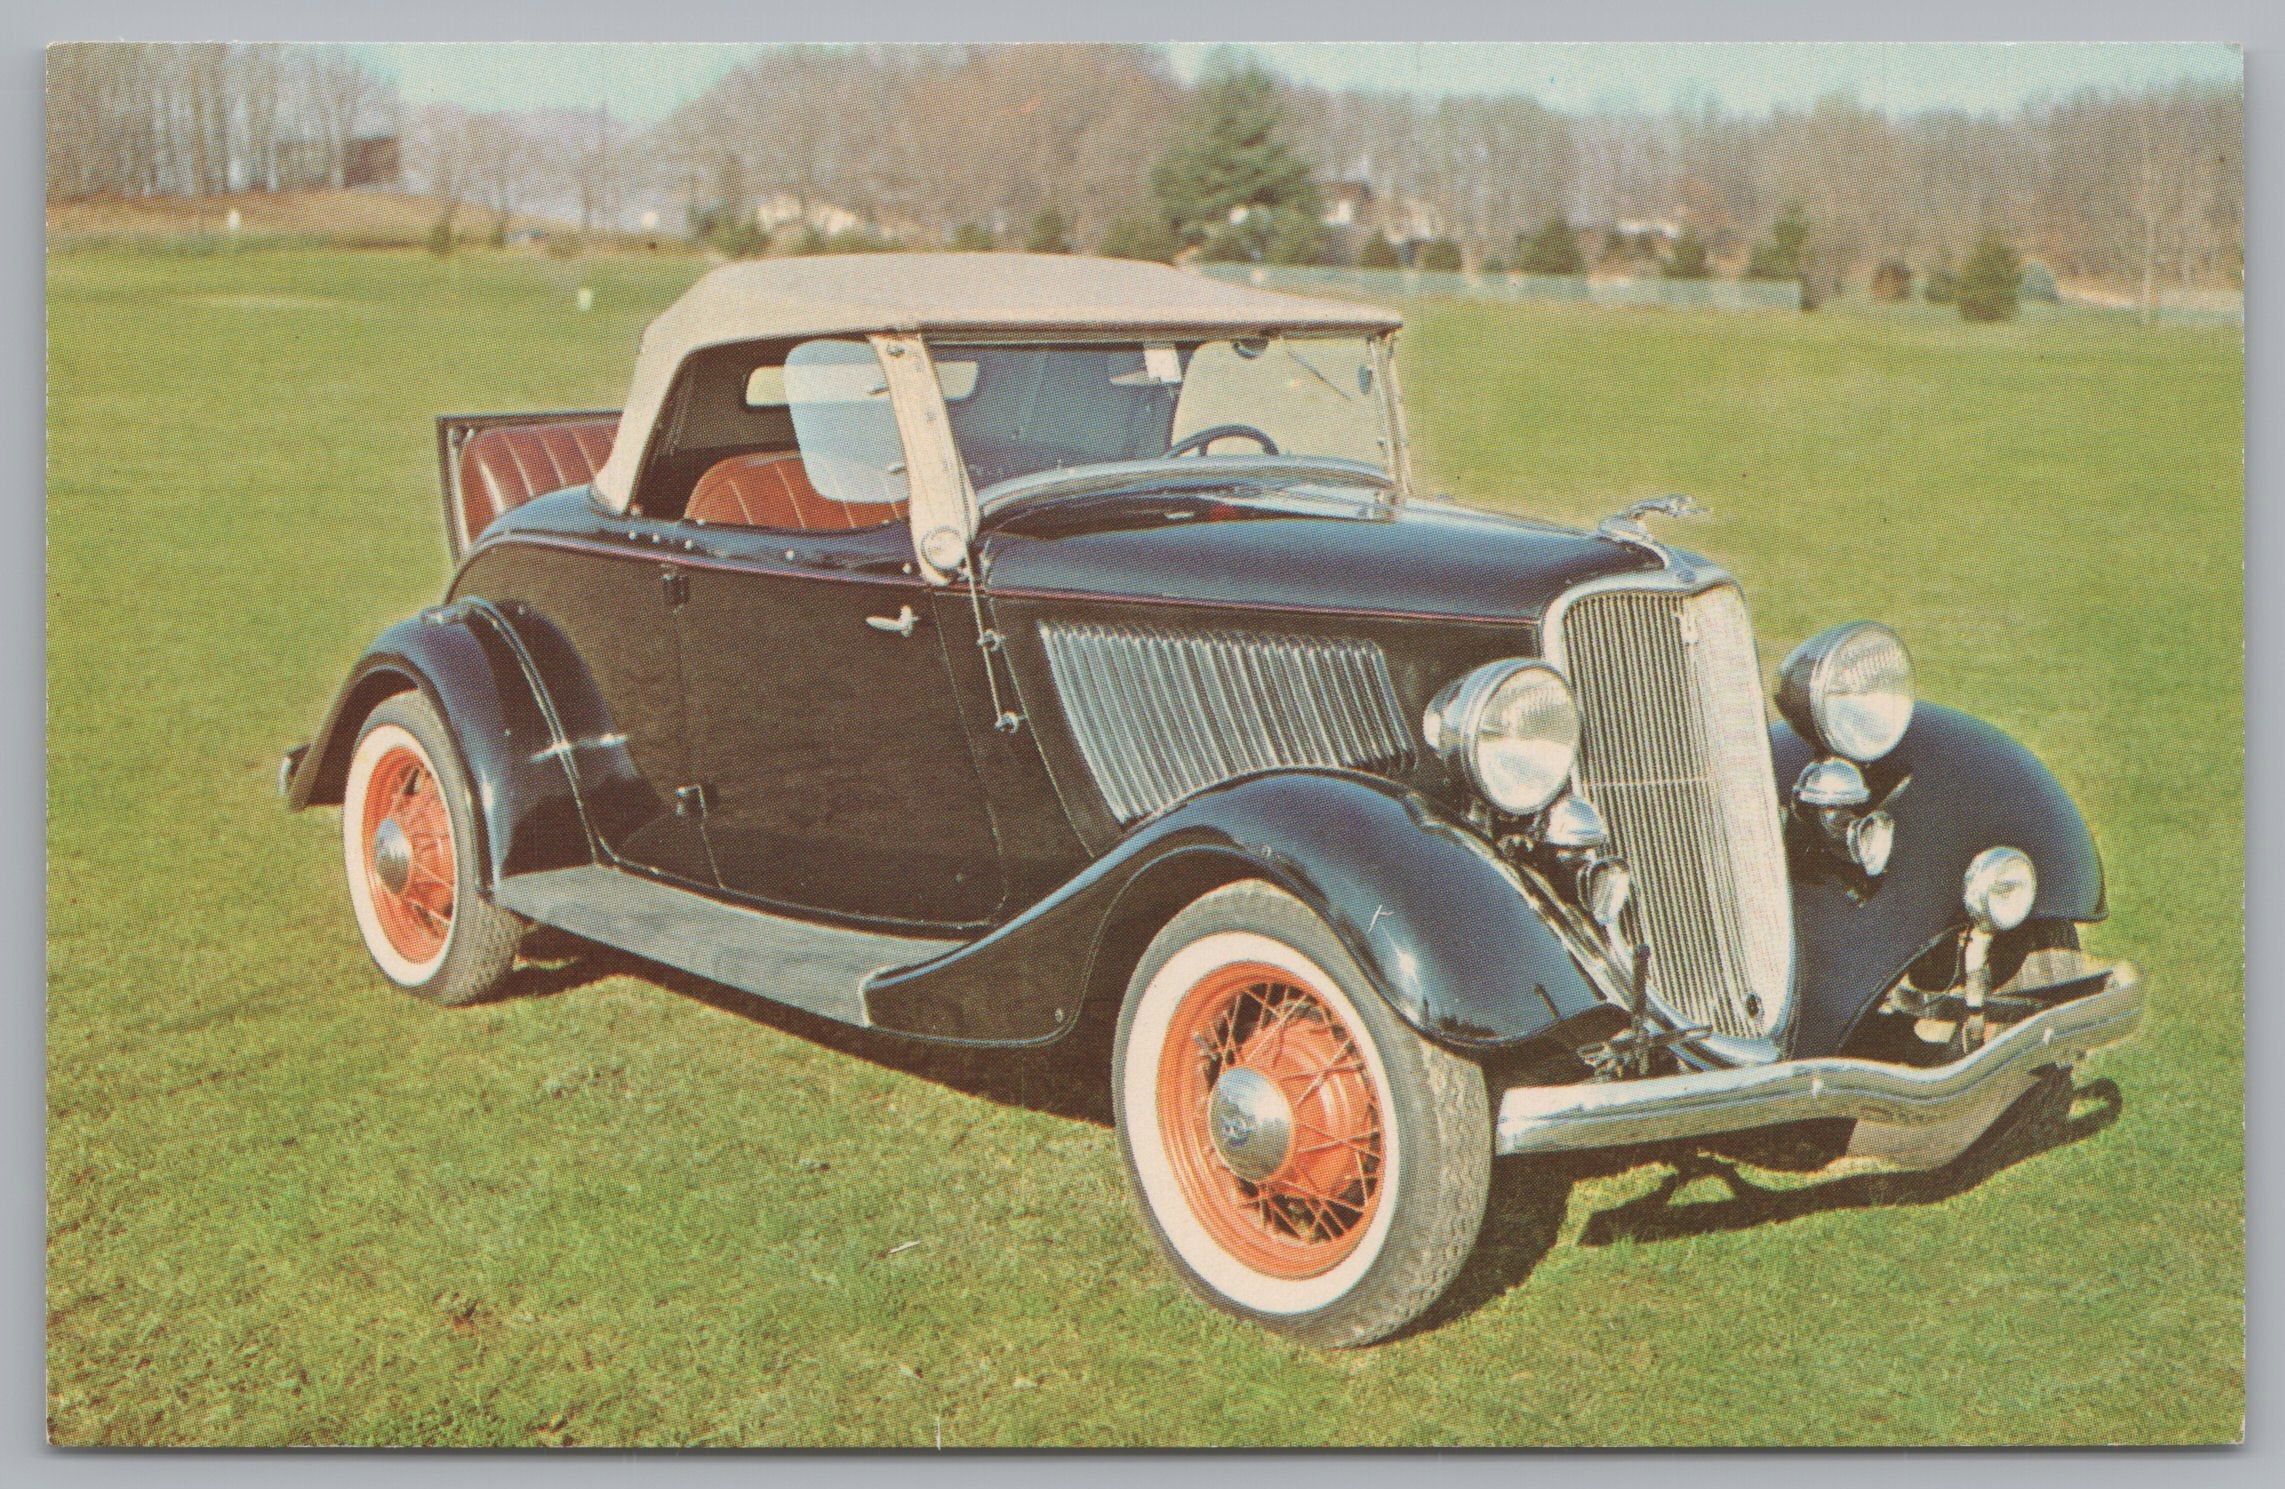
[(1530, 1196), (2052, 1114)]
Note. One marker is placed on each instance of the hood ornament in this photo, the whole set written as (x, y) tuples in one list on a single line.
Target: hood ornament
[(1626, 527)]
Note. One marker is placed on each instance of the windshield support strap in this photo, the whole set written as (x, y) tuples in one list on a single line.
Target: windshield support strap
[(941, 496)]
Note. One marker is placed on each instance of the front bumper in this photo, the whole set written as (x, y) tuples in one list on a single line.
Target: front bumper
[(1609, 1114)]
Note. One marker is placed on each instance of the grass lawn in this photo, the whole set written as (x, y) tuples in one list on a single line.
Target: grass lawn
[(287, 1205)]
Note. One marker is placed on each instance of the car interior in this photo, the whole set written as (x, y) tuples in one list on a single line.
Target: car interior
[(724, 461), (507, 465), (726, 452)]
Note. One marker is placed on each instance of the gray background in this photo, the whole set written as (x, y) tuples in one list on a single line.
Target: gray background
[(29, 24)]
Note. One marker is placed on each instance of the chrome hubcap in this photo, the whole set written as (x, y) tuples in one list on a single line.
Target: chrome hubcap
[(1251, 1123), (392, 856)]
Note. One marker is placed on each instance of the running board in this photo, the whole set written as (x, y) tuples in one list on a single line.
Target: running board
[(818, 968)]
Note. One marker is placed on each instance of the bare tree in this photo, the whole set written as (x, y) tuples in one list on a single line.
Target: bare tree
[(257, 81), (500, 160), (340, 92), (924, 140), (592, 155), (436, 159)]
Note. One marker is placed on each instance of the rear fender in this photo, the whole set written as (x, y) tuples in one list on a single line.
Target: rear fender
[(469, 664), (1439, 924), (1956, 786)]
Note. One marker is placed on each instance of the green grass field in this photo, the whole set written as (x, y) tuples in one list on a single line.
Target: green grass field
[(288, 1205)]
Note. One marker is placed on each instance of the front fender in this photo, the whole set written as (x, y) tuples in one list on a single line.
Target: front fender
[(1956, 786), (1439, 924), (474, 672)]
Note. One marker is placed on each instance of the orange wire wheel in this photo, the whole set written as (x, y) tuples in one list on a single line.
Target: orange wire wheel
[(407, 819), (407, 853), (1268, 1116), (1302, 1155)]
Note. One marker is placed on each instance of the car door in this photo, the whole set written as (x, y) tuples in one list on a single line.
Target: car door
[(826, 735), (831, 754), (598, 618)]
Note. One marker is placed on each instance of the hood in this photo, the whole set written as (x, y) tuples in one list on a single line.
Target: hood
[(1288, 550)]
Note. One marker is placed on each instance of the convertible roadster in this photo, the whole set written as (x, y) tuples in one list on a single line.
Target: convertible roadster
[(981, 647)]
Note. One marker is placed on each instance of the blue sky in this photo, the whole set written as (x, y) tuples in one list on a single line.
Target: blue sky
[(644, 82), (640, 81)]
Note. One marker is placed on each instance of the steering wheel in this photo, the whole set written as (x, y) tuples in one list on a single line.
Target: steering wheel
[(1205, 437)]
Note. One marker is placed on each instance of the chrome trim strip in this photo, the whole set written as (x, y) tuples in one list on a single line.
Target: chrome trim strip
[(1392, 397), (1550, 1119)]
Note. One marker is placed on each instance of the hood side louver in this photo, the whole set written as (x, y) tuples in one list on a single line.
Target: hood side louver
[(1159, 715)]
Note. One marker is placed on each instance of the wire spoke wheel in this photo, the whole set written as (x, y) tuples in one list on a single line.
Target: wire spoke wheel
[(1305, 1158), (1298, 1209), (408, 853), (409, 841)]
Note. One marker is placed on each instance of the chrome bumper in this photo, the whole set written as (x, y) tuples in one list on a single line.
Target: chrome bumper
[(1609, 1114)]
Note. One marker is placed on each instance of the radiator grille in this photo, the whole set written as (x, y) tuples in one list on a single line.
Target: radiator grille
[(1674, 748), (1161, 714)]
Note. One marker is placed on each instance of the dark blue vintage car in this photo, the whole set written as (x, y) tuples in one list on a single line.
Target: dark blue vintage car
[(982, 648)]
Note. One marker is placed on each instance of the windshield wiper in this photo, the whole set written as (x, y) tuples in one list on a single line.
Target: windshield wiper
[(1287, 347)]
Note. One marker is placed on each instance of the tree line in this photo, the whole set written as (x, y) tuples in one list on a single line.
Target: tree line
[(131, 119), (1103, 148)]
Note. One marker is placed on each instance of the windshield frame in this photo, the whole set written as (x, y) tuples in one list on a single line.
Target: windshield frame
[(1182, 472), (1395, 484)]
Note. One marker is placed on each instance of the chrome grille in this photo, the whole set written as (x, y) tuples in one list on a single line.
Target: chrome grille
[(1674, 748), (1161, 714)]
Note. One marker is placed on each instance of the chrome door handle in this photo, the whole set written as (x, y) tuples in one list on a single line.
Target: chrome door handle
[(900, 624)]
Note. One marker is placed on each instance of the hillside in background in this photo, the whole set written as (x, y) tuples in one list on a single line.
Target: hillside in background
[(355, 219)]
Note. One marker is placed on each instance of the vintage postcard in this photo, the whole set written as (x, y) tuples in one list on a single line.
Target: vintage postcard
[(1041, 746)]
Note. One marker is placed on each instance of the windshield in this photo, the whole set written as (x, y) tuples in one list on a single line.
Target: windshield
[(1022, 409), (842, 421)]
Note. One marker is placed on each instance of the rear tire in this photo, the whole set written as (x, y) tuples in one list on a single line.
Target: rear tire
[(408, 838), (1304, 1158)]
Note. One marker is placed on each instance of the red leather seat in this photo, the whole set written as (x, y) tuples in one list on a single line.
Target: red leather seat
[(504, 467), (774, 491)]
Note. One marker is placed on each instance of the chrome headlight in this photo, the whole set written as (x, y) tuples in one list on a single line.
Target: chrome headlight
[(1511, 730), (1849, 690), (1999, 888)]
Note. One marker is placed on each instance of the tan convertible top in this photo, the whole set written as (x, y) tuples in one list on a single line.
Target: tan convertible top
[(852, 294)]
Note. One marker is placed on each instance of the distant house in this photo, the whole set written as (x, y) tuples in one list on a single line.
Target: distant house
[(305, 164), (1414, 221), (1347, 204), (373, 160), (1638, 229), (781, 209)]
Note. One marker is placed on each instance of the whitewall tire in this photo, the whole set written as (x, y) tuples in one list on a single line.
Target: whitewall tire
[(1305, 1159), (409, 841)]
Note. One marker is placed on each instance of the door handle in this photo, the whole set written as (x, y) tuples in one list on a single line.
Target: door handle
[(900, 624)]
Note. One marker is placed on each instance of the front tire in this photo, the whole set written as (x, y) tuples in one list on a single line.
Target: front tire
[(1305, 1159), (408, 838)]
